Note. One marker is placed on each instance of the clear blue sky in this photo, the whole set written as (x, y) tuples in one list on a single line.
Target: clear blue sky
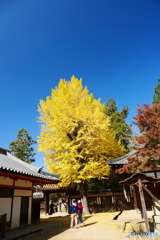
[(114, 45)]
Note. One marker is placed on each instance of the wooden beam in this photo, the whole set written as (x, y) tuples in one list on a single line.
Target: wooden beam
[(34, 179), (107, 194), (143, 205), (15, 187), (135, 198), (151, 194)]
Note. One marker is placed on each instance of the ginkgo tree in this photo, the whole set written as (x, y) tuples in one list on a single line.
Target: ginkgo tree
[(76, 137)]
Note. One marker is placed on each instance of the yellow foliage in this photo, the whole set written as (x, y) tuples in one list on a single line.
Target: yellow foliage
[(75, 133)]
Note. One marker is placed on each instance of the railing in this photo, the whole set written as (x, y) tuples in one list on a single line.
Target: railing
[(3, 219)]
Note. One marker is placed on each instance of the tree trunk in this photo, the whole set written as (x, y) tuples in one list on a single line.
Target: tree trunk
[(83, 194)]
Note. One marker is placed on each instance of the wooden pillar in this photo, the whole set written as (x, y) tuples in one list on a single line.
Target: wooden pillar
[(143, 205), (135, 198), (46, 198), (67, 203)]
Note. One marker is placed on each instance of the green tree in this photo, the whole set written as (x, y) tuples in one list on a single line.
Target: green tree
[(156, 96), (122, 130), (75, 135), (21, 147)]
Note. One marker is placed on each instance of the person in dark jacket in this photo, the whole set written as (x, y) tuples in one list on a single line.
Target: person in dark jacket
[(73, 212), (51, 208)]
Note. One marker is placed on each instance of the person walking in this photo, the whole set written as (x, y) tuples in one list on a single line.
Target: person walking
[(80, 213), (73, 212), (51, 208)]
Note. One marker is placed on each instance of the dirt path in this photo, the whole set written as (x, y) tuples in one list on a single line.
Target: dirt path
[(98, 226)]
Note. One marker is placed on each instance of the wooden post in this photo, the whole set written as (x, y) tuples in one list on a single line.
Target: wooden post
[(135, 198), (67, 203), (143, 205), (46, 197)]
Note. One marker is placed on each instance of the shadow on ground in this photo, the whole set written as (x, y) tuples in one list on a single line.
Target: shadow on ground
[(46, 229), (86, 225)]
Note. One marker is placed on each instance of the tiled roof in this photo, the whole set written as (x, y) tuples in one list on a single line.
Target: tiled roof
[(12, 164), (139, 175), (123, 159)]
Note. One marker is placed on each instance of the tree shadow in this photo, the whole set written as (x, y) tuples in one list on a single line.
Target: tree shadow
[(46, 229)]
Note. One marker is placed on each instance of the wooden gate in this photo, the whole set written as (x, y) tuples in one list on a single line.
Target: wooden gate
[(35, 211), (24, 211), (3, 225)]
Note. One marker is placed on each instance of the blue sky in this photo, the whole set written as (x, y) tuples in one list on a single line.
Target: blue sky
[(113, 45)]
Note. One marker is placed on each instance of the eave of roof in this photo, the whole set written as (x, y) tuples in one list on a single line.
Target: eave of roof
[(123, 159), (133, 179), (33, 179), (12, 165)]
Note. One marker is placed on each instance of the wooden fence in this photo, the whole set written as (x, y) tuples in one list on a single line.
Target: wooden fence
[(107, 202)]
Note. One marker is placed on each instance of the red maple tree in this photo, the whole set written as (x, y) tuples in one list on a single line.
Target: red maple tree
[(148, 155)]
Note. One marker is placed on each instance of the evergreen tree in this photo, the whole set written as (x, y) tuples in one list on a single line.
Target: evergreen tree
[(75, 135), (156, 96), (21, 147), (122, 130)]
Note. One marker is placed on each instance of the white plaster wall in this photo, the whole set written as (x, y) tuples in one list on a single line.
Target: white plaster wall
[(5, 207), (24, 193), (30, 210), (16, 212), (6, 181), (23, 183)]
